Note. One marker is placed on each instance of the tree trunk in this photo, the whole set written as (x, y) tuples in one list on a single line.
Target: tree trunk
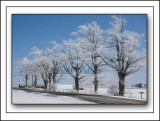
[(32, 81), (35, 83), (95, 82), (95, 73), (95, 77), (121, 84), (26, 80), (45, 81), (45, 84), (54, 83), (77, 83), (50, 81)]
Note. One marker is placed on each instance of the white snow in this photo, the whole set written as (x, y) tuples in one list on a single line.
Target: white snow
[(129, 92), (24, 97), (135, 93), (62, 87)]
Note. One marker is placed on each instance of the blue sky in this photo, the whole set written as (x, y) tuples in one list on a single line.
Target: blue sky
[(38, 30)]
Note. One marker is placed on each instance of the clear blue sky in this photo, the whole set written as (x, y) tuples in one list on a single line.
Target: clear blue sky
[(38, 30)]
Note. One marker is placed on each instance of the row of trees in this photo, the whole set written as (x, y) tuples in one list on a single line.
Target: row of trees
[(93, 48)]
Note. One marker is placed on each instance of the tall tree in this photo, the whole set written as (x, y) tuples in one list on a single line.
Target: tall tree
[(122, 52), (75, 61), (56, 59), (90, 37)]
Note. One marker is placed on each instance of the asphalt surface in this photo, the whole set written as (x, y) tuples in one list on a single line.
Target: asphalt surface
[(99, 99)]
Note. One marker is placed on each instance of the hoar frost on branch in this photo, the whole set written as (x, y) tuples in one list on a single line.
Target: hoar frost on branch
[(56, 58), (24, 69), (75, 61), (90, 38), (43, 65), (120, 51), (35, 72)]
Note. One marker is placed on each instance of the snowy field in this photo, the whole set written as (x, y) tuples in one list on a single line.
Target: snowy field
[(129, 92), (24, 97)]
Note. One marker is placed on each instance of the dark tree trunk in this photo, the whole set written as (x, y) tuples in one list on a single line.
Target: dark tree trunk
[(95, 82), (35, 82), (32, 81), (77, 82), (121, 84), (50, 81), (45, 80), (26, 80), (95, 78), (45, 84)]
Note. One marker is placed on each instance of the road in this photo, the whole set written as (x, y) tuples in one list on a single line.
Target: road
[(99, 99)]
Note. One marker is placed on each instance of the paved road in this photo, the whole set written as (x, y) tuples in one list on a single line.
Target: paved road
[(93, 98)]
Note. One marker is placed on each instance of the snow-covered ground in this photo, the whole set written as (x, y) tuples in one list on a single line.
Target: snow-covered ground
[(24, 97), (129, 92), (135, 93)]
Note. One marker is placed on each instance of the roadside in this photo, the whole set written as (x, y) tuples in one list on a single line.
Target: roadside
[(100, 99)]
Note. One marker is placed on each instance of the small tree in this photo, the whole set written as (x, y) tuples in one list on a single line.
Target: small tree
[(24, 69), (139, 85), (34, 69), (113, 89)]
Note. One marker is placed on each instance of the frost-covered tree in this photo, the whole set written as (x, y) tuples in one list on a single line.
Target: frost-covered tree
[(24, 69), (122, 51), (56, 59), (90, 37), (35, 72), (43, 65), (75, 61)]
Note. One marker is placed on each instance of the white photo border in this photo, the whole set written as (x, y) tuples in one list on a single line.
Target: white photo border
[(14, 109), (59, 11)]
